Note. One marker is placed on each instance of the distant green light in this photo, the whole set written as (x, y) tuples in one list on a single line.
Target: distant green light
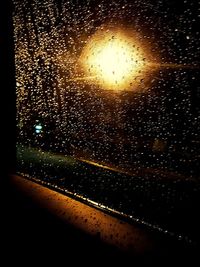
[(38, 128)]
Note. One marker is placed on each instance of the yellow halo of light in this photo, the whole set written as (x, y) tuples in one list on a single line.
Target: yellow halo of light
[(113, 59)]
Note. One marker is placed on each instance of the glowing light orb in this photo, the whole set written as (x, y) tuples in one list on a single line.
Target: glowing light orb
[(114, 60)]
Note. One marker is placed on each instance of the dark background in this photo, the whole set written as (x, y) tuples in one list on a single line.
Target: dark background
[(28, 233)]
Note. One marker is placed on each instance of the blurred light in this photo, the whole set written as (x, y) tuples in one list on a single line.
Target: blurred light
[(38, 128), (114, 59)]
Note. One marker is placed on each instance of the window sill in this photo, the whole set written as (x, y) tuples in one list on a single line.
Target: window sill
[(134, 240)]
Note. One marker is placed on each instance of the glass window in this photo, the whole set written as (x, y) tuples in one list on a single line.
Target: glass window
[(108, 100)]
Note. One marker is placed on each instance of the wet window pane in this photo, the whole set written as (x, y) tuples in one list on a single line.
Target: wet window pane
[(108, 100)]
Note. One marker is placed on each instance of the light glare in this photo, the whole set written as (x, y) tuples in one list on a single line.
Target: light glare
[(114, 60)]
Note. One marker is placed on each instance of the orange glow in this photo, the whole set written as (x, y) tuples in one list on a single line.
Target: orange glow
[(91, 220), (115, 60)]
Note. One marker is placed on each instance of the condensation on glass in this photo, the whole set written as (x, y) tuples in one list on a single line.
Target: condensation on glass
[(108, 105)]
